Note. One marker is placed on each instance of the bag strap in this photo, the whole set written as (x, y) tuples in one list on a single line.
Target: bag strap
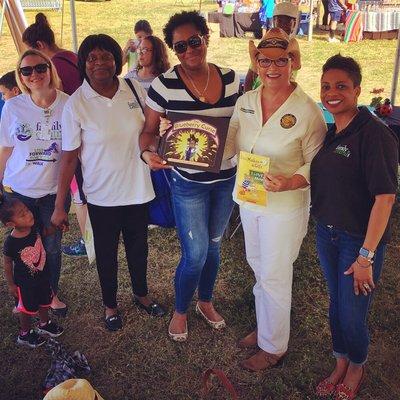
[(130, 84), (206, 384)]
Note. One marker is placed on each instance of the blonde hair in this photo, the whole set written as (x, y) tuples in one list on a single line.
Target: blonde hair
[(55, 82)]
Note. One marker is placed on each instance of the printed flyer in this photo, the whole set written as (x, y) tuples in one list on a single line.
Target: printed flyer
[(250, 176)]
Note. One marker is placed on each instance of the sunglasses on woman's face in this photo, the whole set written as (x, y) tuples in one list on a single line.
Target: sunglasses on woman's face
[(39, 68), (193, 42), (266, 62)]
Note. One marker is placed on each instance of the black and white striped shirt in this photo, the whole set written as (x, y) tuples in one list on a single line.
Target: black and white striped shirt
[(168, 92)]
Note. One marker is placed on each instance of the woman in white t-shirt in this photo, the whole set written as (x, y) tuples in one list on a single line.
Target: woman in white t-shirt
[(102, 121), (277, 120), (30, 140)]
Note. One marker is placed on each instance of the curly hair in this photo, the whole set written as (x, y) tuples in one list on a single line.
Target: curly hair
[(39, 31), (185, 18), (160, 61), (346, 64), (101, 42)]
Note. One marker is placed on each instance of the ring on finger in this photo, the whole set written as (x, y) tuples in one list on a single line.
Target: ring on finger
[(366, 286)]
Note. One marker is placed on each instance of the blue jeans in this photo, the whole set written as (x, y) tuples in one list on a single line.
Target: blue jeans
[(202, 212), (42, 210), (337, 250)]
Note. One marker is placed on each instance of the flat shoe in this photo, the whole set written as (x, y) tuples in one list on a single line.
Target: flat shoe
[(325, 388), (214, 324), (153, 309), (343, 392), (262, 360), (113, 322), (248, 341), (179, 337), (59, 312)]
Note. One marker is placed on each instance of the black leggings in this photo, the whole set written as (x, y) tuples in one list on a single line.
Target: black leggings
[(107, 224)]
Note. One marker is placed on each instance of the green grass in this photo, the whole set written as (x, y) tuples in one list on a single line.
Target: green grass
[(117, 17), (140, 362)]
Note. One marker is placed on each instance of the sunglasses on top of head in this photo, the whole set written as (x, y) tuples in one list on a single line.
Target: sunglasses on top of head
[(193, 42), (39, 68)]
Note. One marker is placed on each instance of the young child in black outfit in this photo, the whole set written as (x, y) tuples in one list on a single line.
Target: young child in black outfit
[(25, 272)]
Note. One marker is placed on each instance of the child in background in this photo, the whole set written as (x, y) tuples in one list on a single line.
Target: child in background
[(265, 14), (25, 272), (142, 29), (8, 86)]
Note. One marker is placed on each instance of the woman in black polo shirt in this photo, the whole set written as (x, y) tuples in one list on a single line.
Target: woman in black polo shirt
[(353, 186)]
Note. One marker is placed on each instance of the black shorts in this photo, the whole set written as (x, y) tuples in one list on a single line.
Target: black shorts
[(33, 296)]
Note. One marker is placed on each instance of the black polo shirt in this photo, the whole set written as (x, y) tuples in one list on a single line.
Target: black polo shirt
[(350, 169)]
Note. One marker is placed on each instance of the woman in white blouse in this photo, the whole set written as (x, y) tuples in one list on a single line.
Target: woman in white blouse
[(280, 121)]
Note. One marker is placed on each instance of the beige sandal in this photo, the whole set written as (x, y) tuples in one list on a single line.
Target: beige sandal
[(179, 337), (214, 324)]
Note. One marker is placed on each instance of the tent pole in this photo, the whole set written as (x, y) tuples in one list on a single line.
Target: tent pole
[(311, 23), (73, 26), (396, 71)]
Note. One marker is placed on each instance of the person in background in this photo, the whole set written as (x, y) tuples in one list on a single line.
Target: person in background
[(353, 187), (265, 14), (202, 200), (117, 183), (336, 9), (40, 36), (30, 140), (325, 17), (285, 17), (26, 273), (277, 120), (153, 61), (8, 86), (141, 30)]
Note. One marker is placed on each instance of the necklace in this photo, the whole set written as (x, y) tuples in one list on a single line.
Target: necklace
[(201, 94)]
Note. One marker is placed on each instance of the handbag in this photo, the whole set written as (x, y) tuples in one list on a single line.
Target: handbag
[(161, 211)]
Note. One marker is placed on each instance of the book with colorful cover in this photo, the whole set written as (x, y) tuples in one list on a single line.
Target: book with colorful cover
[(250, 178), (194, 141)]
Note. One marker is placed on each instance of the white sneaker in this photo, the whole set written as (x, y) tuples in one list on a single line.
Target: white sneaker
[(333, 40)]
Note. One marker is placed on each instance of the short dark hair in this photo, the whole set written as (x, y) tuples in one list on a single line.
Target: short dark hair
[(8, 80), (39, 31), (7, 208), (159, 56), (102, 42), (185, 18), (143, 25), (346, 64)]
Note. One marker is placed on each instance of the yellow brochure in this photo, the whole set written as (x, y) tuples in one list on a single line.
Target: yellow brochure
[(249, 183)]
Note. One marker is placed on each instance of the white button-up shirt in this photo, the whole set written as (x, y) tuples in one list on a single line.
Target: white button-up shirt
[(290, 138)]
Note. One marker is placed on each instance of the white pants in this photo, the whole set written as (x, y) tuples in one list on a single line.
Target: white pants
[(272, 245)]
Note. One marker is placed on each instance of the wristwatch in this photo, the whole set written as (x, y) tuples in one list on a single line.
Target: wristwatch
[(368, 254)]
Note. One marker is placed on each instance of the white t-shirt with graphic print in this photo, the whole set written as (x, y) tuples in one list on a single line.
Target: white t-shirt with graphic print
[(35, 135)]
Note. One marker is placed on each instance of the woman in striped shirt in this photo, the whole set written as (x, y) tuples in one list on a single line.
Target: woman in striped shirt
[(202, 200)]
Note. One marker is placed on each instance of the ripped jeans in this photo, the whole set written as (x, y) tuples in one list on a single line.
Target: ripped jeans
[(202, 211)]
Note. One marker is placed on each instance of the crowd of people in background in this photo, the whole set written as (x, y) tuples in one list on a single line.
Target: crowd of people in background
[(72, 128)]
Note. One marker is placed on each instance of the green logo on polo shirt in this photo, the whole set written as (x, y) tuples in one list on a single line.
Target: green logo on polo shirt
[(343, 150)]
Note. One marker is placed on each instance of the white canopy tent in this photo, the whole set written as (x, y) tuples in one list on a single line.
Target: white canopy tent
[(17, 23)]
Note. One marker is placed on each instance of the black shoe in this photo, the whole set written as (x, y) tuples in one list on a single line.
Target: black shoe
[(31, 339), (50, 329), (113, 322), (59, 312), (153, 309)]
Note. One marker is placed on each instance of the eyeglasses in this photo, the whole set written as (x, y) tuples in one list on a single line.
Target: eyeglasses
[(143, 51), (39, 68), (107, 57), (266, 62), (193, 42)]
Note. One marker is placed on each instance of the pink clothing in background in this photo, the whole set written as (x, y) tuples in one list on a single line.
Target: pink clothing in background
[(66, 65)]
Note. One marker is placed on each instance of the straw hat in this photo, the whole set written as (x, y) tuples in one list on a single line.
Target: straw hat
[(286, 8), (73, 389), (275, 44)]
